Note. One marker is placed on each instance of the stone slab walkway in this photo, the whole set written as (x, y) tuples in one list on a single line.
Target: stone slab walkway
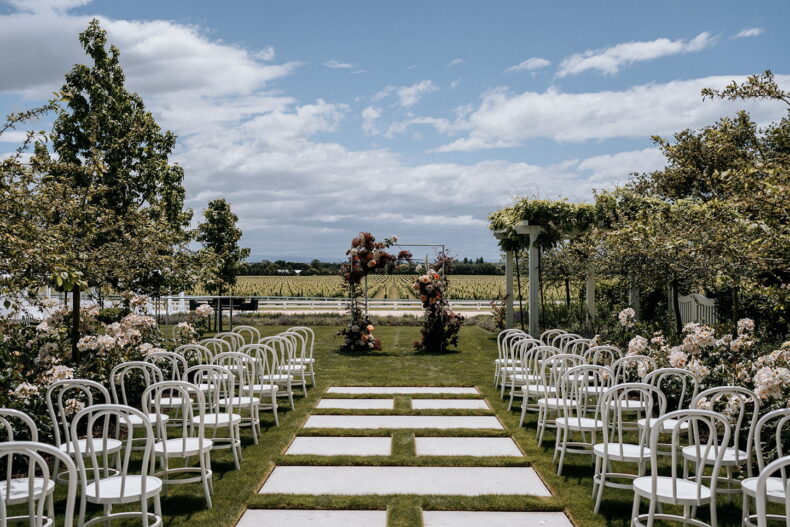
[(341, 446), (494, 519), (445, 422), (404, 390), (449, 404), (450, 481), (356, 404), (466, 446), (309, 518)]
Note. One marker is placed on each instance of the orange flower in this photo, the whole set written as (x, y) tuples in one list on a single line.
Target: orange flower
[(423, 298), (370, 328), (435, 276), (372, 263), (364, 338), (433, 300)]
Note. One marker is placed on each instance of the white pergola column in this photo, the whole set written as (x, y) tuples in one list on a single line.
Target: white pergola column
[(534, 277)]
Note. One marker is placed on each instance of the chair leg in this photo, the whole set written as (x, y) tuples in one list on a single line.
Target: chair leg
[(635, 509), (204, 464), (158, 506), (274, 410), (523, 411), (601, 485), (143, 511)]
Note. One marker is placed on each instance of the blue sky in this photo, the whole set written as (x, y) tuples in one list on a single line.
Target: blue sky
[(319, 119)]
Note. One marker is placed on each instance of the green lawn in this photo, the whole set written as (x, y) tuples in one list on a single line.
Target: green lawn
[(396, 365)]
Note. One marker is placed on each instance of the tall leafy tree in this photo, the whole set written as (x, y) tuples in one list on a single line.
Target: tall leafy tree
[(220, 237), (130, 228)]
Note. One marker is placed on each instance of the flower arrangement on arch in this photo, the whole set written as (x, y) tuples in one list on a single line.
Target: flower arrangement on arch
[(365, 256), (440, 325)]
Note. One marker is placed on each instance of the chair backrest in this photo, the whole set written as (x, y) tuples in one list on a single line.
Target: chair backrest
[(553, 367), (218, 386), (248, 333), (532, 361), (298, 342), (602, 355), (709, 432), (559, 341), (67, 397), (231, 337), (681, 386), (216, 345), (309, 336), (742, 407), (171, 364), (580, 390), (7, 418), (516, 347), (623, 405), (196, 353), (243, 367), (264, 356), (780, 466), (95, 421), (632, 368), (576, 346), (130, 377), (772, 437), (548, 335), (503, 337), (157, 399), (283, 348), (30, 460)]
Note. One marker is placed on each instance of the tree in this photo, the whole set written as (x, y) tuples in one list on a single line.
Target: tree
[(119, 214), (220, 238)]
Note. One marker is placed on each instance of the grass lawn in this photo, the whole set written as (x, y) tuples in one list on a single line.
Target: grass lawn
[(398, 364)]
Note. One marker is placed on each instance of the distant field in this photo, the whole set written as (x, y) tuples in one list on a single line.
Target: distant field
[(462, 287)]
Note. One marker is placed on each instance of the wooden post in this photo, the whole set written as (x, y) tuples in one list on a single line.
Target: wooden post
[(534, 288), (508, 289), (589, 298)]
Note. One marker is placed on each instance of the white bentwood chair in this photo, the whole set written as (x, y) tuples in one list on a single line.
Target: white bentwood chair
[(28, 480), (124, 487), (709, 433)]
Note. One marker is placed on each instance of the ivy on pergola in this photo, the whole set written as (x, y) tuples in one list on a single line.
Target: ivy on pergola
[(534, 224)]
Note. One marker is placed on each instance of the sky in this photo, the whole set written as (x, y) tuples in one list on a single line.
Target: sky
[(317, 120)]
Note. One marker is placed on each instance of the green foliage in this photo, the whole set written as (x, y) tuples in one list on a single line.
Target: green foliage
[(220, 238), (559, 220)]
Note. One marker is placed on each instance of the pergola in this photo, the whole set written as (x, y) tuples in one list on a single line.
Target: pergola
[(561, 221)]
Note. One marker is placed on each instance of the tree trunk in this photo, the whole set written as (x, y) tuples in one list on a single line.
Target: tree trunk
[(676, 307), (75, 324), (735, 307), (568, 294)]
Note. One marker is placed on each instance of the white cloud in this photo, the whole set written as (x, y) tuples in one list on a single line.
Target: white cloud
[(408, 95), (505, 119), (46, 6), (334, 64), (268, 53), (369, 117), (158, 57), (455, 62), (750, 32), (613, 169), (610, 60), (531, 64)]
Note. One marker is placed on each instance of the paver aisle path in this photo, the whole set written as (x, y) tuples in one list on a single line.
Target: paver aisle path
[(457, 444)]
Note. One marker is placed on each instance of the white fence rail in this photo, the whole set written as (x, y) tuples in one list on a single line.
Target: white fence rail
[(697, 308)]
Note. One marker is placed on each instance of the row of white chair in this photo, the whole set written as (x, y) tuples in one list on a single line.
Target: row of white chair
[(586, 395)]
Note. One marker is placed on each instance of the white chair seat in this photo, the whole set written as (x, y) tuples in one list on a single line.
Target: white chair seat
[(668, 426), (110, 490), (18, 489), (524, 379), (685, 493), (593, 390), (629, 404), (153, 418), (180, 447), (297, 368), (582, 424), (513, 369), (278, 378), (306, 360), (113, 445), (555, 402), (622, 452), (240, 401), (506, 361), (264, 388), (539, 389), (171, 402), (774, 488), (729, 459), (218, 420)]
